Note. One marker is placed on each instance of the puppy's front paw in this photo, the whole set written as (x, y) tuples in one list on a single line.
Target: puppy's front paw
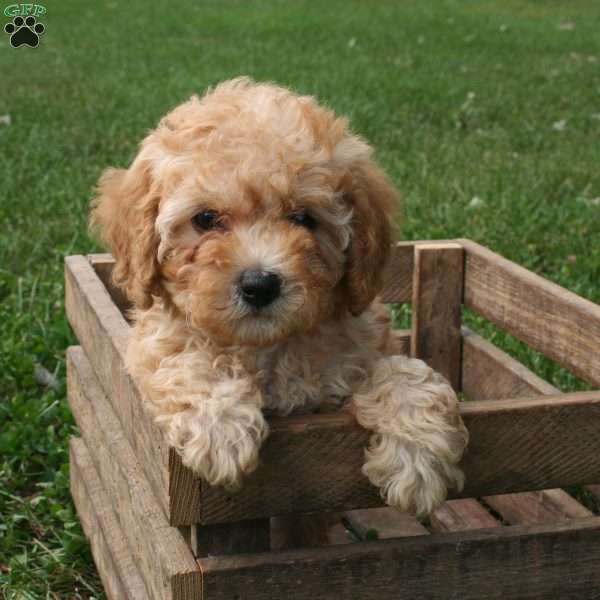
[(410, 478), (221, 453)]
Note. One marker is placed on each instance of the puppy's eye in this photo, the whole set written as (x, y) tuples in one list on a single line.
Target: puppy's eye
[(303, 219), (206, 220)]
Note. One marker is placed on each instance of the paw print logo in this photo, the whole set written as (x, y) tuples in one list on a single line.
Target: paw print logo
[(24, 31)]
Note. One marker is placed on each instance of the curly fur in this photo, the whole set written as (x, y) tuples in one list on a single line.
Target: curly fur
[(209, 366)]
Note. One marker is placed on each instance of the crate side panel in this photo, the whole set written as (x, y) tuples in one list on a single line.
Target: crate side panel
[(160, 549), (511, 563), (117, 569)]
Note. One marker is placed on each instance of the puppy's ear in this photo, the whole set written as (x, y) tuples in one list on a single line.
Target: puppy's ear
[(373, 199), (124, 213)]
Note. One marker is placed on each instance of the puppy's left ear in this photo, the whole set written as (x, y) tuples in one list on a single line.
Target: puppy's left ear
[(373, 199)]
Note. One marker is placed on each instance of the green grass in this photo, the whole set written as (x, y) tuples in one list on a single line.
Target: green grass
[(485, 112)]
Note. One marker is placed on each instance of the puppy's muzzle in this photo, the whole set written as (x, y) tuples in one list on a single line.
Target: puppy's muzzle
[(259, 288)]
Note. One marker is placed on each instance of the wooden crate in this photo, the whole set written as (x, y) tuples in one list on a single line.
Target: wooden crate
[(148, 516)]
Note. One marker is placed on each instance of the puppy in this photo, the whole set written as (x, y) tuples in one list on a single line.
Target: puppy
[(250, 233)]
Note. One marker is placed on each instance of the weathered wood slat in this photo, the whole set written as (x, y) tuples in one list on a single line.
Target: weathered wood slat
[(462, 515), (524, 562), (529, 443), (164, 560), (436, 301), (116, 567), (383, 523), (488, 373), (436, 338), (398, 274), (546, 506), (551, 319)]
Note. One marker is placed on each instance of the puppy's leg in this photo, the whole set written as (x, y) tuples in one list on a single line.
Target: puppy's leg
[(419, 435), (219, 433)]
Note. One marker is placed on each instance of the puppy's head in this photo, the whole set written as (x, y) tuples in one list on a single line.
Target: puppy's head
[(252, 210)]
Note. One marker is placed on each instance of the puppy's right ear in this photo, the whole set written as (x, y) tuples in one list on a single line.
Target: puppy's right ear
[(124, 213)]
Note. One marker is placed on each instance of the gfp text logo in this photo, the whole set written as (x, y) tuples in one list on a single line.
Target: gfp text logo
[(25, 29)]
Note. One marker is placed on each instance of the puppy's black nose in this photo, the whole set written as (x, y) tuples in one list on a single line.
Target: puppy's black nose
[(259, 288)]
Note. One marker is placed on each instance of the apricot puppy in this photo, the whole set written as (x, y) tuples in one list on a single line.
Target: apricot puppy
[(250, 233)]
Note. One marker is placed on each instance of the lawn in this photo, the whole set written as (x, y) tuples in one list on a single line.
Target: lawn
[(486, 114)]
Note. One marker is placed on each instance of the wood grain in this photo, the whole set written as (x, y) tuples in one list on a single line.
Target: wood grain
[(116, 567), (104, 334), (436, 308), (165, 561), (462, 515), (549, 318), (546, 506), (488, 373), (509, 563), (531, 443), (398, 274), (383, 523)]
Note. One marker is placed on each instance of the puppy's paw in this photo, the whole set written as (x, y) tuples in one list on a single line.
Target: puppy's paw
[(221, 452), (410, 478), (221, 458)]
